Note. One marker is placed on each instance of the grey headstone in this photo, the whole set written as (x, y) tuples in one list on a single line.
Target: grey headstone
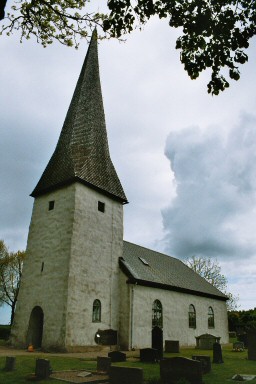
[(117, 356), (103, 364), (10, 362), (148, 355), (172, 346), (177, 368), (125, 375), (205, 362), (43, 369), (206, 341)]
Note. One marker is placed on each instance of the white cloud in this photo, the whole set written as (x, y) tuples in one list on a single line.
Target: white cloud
[(213, 213)]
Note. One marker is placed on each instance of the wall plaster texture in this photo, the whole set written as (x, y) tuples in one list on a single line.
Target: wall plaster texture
[(175, 316), (79, 247)]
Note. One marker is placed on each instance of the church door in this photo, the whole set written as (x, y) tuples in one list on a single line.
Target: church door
[(157, 340), (35, 327)]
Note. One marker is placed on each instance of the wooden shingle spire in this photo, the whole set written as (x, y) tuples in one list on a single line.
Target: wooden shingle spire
[(82, 152)]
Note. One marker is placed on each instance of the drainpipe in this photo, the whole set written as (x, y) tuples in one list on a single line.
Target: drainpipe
[(131, 319)]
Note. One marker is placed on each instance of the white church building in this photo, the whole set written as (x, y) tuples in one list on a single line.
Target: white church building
[(80, 277)]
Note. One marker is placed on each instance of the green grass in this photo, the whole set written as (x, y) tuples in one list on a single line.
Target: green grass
[(234, 363)]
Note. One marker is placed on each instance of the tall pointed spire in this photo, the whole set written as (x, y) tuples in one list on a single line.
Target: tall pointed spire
[(82, 152)]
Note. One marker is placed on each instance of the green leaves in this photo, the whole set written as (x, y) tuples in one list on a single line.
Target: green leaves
[(10, 274), (215, 33), (48, 20)]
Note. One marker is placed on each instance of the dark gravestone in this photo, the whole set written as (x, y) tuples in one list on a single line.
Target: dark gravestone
[(10, 363), (172, 346), (43, 369), (243, 337), (157, 341), (206, 341), (125, 375), (252, 344), (117, 356), (205, 362), (103, 364), (148, 355), (217, 354), (106, 337), (178, 368)]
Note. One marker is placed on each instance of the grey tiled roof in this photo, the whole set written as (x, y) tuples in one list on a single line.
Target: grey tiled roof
[(146, 267), (82, 152)]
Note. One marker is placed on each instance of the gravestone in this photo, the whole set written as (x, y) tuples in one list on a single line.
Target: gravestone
[(172, 346), (43, 369), (244, 338), (252, 344), (125, 375), (206, 341), (205, 362), (103, 364), (238, 346), (117, 356), (10, 362), (106, 337), (177, 368), (148, 355), (217, 354), (157, 341)]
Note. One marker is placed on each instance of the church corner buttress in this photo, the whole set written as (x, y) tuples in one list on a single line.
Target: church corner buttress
[(70, 283)]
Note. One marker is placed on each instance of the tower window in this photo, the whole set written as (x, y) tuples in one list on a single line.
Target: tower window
[(101, 206), (51, 205), (96, 311)]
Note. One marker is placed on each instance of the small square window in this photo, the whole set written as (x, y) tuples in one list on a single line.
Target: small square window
[(101, 206), (51, 205)]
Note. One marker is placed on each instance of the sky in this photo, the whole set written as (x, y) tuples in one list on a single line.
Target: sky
[(186, 159)]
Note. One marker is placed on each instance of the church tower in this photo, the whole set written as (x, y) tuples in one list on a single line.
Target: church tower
[(69, 287)]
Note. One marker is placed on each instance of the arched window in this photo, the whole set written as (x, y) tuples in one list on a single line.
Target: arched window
[(157, 314), (96, 311), (210, 318), (192, 316)]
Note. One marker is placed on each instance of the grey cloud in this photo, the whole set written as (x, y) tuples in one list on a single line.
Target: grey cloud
[(212, 213)]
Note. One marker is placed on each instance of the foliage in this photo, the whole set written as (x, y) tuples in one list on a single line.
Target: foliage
[(215, 34), (61, 20), (10, 274), (210, 270), (242, 320)]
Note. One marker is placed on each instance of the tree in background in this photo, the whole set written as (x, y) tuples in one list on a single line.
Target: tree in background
[(210, 270), (242, 321), (10, 275), (214, 34)]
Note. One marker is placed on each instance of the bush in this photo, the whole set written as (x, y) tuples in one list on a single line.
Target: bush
[(5, 331)]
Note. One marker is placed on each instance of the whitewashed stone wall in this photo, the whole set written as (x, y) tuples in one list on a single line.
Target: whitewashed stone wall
[(97, 243), (49, 242), (79, 247), (175, 316)]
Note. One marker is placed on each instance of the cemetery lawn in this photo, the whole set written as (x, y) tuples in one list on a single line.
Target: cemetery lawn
[(234, 363)]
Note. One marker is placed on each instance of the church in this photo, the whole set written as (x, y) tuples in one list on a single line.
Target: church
[(80, 278)]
